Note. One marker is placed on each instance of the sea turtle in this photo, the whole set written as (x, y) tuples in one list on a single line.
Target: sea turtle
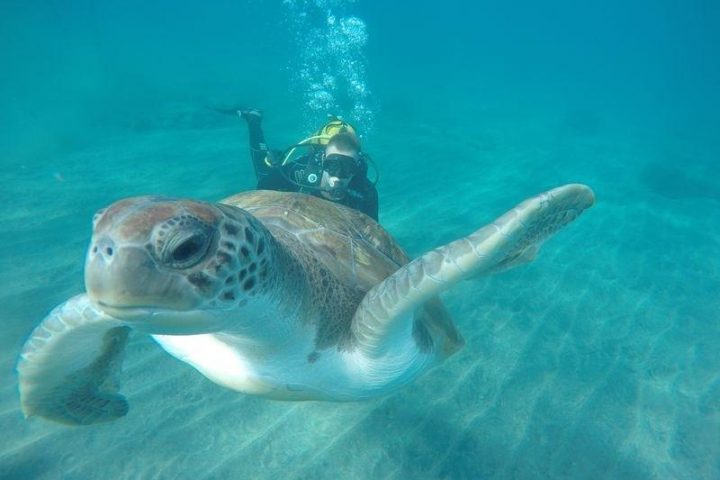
[(281, 295)]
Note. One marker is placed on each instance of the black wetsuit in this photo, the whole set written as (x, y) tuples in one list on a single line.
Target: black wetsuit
[(304, 174)]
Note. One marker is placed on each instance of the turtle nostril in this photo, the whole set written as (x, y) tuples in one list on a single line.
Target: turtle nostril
[(105, 247)]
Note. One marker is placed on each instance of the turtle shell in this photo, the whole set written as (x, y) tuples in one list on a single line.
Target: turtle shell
[(355, 248)]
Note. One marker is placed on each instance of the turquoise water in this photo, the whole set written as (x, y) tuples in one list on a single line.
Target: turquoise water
[(601, 359)]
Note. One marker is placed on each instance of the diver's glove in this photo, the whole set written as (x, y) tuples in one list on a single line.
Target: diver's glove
[(250, 114)]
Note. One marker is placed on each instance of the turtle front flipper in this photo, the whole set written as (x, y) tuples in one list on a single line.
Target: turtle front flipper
[(69, 367), (512, 239)]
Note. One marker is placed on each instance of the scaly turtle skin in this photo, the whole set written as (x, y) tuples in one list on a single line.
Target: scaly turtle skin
[(281, 295)]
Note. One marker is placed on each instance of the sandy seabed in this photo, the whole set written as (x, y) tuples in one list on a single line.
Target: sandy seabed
[(599, 360)]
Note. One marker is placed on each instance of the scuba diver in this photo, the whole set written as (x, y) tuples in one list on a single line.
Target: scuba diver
[(333, 166)]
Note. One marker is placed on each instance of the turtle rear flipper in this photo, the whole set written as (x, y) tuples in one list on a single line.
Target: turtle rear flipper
[(512, 239), (69, 367)]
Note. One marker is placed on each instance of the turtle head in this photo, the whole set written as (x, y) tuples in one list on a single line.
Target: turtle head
[(173, 266)]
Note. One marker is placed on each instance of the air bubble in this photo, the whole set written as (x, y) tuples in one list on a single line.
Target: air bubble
[(330, 66)]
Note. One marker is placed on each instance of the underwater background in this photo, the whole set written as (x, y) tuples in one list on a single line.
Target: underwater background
[(601, 359)]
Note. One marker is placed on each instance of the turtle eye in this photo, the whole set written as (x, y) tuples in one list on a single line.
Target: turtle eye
[(188, 249), (184, 244)]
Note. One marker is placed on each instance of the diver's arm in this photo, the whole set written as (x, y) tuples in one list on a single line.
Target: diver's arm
[(259, 152)]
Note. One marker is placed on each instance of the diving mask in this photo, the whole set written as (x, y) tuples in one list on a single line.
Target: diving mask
[(340, 166)]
